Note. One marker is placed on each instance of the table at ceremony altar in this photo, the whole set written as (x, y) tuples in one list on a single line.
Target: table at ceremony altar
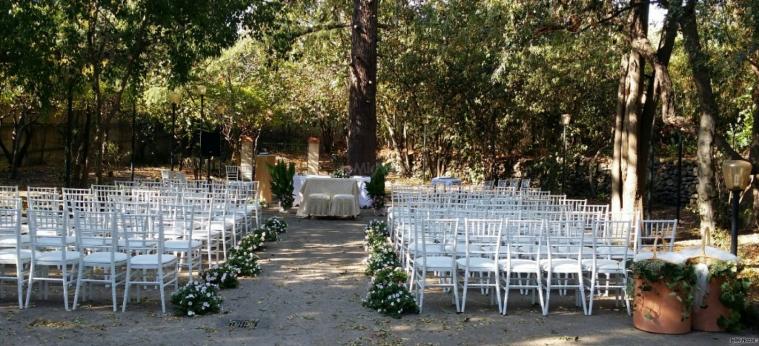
[(329, 197), (364, 201), (446, 181)]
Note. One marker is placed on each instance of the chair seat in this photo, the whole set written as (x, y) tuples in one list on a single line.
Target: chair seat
[(477, 264), (520, 265), (104, 257), (181, 245), (151, 260), (605, 265), (55, 257), (8, 256), (435, 262), (429, 247), (561, 265), (54, 241), (11, 241), (342, 196)]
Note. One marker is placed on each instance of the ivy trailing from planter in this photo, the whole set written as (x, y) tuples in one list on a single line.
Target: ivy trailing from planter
[(734, 291), (680, 279)]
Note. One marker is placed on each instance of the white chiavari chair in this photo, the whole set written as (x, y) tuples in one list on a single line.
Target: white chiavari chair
[(482, 239), (562, 268), (648, 230), (611, 251), (431, 257), (13, 244)]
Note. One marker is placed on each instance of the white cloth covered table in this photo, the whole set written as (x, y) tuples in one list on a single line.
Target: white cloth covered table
[(364, 201), (329, 197), (446, 181)]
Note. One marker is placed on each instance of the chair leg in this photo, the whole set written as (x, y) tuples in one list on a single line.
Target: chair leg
[(466, 286), (455, 280), (78, 286), (126, 289), (20, 284), (593, 278), (29, 288), (64, 274)]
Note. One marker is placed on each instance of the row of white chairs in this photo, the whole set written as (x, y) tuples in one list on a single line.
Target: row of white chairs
[(466, 240), (116, 236)]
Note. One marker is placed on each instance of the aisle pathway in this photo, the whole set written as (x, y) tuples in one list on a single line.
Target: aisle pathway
[(310, 294)]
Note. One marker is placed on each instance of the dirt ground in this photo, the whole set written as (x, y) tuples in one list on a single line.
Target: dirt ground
[(310, 293)]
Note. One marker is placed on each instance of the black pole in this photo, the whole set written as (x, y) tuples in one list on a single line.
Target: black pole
[(69, 125), (679, 174), (734, 223), (134, 117), (564, 162), (173, 131), (652, 172)]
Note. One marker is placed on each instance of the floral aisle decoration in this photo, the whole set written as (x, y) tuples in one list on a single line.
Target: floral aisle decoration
[(388, 293), (375, 235), (197, 298), (266, 234), (276, 225), (381, 257), (224, 276), (245, 260)]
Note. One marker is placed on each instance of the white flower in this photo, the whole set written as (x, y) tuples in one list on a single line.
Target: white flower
[(189, 303), (190, 313)]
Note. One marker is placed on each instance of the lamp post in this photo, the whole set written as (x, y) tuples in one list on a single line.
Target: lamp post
[(565, 119), (134, 118), (737, 174), (201, 89), (174, 97)]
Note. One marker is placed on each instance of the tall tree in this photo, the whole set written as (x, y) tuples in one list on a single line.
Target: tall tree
[(709, 112), (362, 104)]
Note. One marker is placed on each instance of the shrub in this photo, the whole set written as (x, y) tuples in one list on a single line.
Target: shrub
[(388, 293), (266, 234), (376, 186), (196, 298), (282, 183), (252, 242), (224, 276)]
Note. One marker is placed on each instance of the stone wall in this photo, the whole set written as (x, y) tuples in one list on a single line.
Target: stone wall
[(665, 183)]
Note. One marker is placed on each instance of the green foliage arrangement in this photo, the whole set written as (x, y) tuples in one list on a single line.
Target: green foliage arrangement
[(282, 182), (245, 260), (388, 293), (266, 234), (196, 298), (376, 187), (375, 236), (734, 295), (340, 173), (223, 276), (681, 279), (276, 225), (381, 256)]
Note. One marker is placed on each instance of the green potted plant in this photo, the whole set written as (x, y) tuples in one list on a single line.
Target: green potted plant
[(720, 299), (376, 187), (663, 292), (282, 183)]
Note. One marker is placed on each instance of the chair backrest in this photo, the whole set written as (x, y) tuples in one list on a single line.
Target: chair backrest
[(564, 240), (8, 191), (177, 219), (648, 230), (10, 222), (483, 238), (42, 192), (611, 240), (524, 239), (96, 231), (142, 233), (233, 172), (48, 223)]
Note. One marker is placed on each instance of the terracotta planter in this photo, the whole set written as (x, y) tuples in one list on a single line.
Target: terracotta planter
[(658, 310), (705, 319)]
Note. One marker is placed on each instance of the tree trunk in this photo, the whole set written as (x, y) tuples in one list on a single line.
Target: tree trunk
[(362, 106), (707, 192), (754, 149), (627, 195)]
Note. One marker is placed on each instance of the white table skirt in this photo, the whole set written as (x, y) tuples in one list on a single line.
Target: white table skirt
[(329, 197), (364, 201)]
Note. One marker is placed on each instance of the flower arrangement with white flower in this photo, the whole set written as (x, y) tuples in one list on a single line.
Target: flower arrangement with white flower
[(381, 256), (375, 235), (388, 293), (275, 224), (224, 276), (197, 298), (252, 242), (266, 234), (245, 260)]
